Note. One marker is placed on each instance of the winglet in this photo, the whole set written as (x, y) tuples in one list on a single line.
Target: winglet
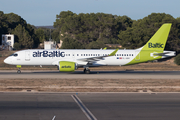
[(114, 52), (105, 48)]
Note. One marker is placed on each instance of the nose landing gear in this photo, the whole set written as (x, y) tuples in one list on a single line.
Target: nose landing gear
[(19, 69)]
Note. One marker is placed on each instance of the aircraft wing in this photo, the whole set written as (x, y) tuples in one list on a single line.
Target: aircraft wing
[(92, 59)]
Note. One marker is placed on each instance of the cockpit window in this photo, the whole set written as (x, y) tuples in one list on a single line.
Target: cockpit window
[(15, 55)]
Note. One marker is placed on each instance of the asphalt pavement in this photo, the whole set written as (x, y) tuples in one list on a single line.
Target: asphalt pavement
[(103, 106), (12, 74)]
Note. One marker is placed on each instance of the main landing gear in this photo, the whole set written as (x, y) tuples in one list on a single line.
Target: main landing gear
[(86, 70)]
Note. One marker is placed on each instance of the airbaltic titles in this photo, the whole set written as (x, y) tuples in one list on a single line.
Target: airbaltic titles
[(48, 54), (156, 45)]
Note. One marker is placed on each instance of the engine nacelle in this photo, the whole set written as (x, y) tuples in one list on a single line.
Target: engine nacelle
[(66, 66)]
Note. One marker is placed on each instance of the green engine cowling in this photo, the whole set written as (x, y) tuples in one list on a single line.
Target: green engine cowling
[(66, 66)]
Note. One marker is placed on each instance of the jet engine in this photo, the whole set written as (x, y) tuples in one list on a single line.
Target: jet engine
[(66, 66)]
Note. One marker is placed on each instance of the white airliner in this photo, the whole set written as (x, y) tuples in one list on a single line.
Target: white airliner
[(71, 59)]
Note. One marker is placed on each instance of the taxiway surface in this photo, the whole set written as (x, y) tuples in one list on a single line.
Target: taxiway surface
[(103, 106), (11, 74)]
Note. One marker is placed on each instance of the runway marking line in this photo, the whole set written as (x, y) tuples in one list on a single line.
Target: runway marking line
[(54, 118), (85, 110)]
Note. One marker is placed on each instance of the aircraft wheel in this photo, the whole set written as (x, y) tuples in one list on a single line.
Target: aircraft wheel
[(19, 71), (87, 71)]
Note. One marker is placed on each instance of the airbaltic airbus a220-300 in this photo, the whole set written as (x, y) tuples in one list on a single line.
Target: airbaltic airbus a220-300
[(70, 60)]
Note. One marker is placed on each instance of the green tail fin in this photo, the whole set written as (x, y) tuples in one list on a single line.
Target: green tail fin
[(158, 40)]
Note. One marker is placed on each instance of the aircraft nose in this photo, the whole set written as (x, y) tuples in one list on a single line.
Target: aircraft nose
[(7, 60)]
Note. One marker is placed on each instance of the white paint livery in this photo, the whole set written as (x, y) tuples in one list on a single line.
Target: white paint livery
[(25, 57)]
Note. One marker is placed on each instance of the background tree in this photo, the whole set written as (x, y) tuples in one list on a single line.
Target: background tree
[(143, 29), (86, 28), (17, 46), (93, 30), (70, 43), (24, 39), (3, 25), (177, 59), (14, 20), (55, 35), (40, 35), (14, 24)]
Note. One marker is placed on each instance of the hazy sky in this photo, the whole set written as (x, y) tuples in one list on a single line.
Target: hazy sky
[(43, 12)]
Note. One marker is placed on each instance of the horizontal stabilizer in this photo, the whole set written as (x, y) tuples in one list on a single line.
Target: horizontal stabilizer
[(166, 54), (160, 54)]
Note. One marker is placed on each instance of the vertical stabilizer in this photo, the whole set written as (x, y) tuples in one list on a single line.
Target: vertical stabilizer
[(158, 40), (153, 49)]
